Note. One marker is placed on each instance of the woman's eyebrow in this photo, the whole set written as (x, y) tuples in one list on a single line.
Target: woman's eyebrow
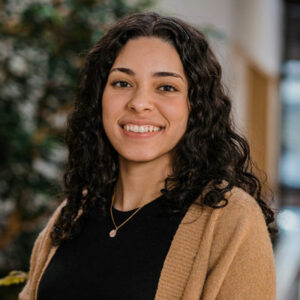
[(166, 74), (124, 70), (155, 74)]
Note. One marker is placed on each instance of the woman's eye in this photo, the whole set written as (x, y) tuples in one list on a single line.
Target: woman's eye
[(167, 88), (120, 83)]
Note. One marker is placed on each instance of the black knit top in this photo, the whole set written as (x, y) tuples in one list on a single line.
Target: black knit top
[(128, 266)]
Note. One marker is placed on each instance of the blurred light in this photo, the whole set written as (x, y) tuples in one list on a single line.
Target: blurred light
[(290, 95), (288, 220), (45, 168), (291, 68), (290, 91), (18, 65), (290, 169)]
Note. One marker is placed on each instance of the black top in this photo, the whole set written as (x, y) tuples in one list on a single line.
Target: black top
[(128, 266)]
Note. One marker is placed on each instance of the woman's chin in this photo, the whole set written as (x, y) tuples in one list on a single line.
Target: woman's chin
[(141, 158)]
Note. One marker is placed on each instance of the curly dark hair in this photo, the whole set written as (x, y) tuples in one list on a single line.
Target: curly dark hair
[(211, 152)]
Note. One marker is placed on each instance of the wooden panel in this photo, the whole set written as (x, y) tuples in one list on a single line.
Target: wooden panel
[(258, 116)]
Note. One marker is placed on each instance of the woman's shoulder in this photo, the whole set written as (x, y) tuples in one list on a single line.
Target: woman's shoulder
[(240, 248), (236, 199), (241, 210), (242, 213), (241, 201), (56, 213), (44, 234), (40, 253)]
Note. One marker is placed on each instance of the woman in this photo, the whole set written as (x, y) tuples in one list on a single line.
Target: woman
[(160, 201)]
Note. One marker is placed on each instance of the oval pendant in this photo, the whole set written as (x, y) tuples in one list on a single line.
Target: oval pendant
[(113, 233)]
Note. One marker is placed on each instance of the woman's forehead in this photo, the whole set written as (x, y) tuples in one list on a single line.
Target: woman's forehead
[(151, 55)]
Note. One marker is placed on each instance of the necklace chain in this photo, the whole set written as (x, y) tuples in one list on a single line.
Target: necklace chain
[(113, 232)]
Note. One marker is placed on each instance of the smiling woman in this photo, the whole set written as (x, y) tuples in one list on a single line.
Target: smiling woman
[(145, 116), (161, 202)]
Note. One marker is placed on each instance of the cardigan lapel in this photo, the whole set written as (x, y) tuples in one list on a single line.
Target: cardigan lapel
[(179, 260)]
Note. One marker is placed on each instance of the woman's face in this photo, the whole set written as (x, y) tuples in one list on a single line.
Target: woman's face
[(145, 105)]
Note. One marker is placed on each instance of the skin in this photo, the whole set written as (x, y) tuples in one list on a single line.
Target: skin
[(136, 91)]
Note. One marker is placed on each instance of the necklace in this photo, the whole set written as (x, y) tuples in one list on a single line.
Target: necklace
[(113, 232)]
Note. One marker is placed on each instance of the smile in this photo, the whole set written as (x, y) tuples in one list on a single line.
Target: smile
[(141, 128), (141, 131)]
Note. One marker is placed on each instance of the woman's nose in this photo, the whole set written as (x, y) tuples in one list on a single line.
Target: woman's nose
[(141, 101)]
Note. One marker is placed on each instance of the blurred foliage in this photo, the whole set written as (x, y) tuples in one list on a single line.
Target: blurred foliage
[(42, 44)]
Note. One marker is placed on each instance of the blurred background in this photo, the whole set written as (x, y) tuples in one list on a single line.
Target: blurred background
[(42, 46)]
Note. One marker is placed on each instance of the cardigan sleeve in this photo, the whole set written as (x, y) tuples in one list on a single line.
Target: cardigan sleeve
[(38, 258), (241, 260), (25, 294)]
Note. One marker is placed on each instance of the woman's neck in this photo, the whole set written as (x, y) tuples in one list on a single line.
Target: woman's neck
[(140, 183)]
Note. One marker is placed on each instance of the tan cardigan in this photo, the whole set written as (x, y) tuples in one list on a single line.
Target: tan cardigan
[(215, 254)]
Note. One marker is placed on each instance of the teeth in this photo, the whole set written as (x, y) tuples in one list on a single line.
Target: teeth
[(143, 128)]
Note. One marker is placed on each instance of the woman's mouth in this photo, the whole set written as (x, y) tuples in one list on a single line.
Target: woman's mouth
[(141, 128), (134, 130)]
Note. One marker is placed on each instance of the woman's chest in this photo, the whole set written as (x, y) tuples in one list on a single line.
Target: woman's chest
[(96, 266)]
